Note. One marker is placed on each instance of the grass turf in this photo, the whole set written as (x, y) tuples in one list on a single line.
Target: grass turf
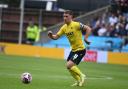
[(52, 74)]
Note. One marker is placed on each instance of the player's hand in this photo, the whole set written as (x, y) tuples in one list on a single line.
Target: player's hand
[(87, 42), (50, 33)]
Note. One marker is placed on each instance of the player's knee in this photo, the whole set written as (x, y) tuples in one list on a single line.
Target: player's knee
[(69, 65)]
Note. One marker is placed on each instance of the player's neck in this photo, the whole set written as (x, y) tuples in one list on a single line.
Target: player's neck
[(68, 23)]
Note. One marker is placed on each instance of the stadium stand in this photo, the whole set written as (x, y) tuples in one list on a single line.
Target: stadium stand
[(125, 48), (112, 39), (97, 43), (11, 21)]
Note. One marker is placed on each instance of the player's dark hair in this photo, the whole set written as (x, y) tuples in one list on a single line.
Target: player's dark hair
[(68, 12)]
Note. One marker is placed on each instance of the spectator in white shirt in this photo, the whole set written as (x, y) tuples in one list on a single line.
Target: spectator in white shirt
[(102, 31), (113, 19)]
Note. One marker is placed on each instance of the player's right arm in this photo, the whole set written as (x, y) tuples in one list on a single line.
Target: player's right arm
[(58, 35), (54, 37)]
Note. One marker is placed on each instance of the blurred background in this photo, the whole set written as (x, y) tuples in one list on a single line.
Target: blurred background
[(25, 46), (107, 18)]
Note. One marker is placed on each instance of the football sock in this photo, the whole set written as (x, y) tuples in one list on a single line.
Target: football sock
[(75, 76), (76, 70)]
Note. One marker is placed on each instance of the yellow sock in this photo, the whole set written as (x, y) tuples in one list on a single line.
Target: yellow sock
[(76, 70), (74, 75)]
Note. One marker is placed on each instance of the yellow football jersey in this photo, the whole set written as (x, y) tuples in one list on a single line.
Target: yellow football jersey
[(74, 34)]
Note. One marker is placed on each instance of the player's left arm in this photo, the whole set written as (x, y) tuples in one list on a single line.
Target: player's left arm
[(88, 32)]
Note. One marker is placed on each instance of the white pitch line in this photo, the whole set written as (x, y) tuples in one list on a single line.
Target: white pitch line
[(61, 77), (109, 78), (92, 78)]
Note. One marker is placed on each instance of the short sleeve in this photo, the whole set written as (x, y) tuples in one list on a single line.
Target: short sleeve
[(81, 26), (61, 31)]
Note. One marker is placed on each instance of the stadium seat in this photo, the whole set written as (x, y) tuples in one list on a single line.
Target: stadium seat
[(97, 43), (125, 48)]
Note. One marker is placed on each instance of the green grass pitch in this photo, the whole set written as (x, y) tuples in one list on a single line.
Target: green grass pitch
[(52, 74)]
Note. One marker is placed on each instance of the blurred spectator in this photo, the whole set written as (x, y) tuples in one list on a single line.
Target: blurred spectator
[(32, 33), (113, 19), (112, 31), (123, 5), (121, 30), (122, 19), (102, 31), (126, 27), (96, 24), (114, 23), (95, 30)]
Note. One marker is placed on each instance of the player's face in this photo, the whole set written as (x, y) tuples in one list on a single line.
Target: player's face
[(67, 18)]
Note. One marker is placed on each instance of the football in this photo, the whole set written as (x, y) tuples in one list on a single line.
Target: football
[(26, 78)]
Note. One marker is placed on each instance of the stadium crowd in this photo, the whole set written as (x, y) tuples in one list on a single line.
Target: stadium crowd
[(113, 23)]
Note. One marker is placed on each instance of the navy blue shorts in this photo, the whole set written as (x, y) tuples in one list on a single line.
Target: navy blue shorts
[(77, 56)]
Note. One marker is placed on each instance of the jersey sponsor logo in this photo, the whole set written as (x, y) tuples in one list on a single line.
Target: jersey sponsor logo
[(69, 34)]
